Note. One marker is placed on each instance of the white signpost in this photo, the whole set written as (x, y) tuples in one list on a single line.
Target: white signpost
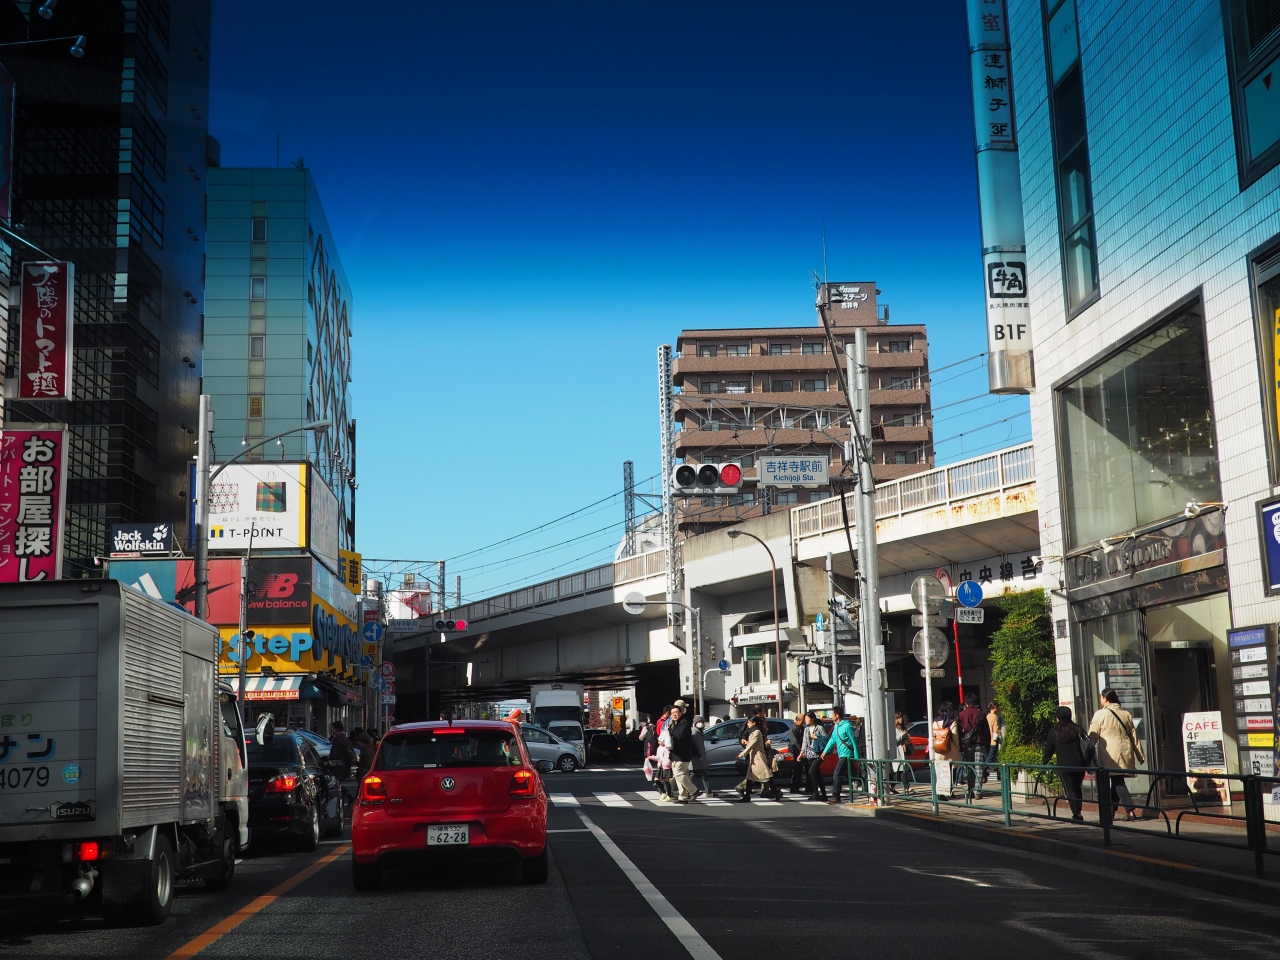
[(809, 470), (930, 649)]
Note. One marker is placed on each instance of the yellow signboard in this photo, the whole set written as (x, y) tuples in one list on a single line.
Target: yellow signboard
[(328, 642), (1262, 739), (350, 571)]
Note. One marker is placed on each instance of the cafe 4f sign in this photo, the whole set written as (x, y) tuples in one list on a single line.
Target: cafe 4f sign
[(32, 492), (47, 316)]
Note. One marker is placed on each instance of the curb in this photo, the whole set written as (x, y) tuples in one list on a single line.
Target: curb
[(1247, 888)]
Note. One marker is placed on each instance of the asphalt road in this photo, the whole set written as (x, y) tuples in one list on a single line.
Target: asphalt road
[(722, 881)]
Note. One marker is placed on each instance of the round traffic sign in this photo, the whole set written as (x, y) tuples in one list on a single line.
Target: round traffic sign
[(927, 593), (969, 592), (372, 632), (388, 669), (930, 647), (634, 603), (723, 665), (366, 661)]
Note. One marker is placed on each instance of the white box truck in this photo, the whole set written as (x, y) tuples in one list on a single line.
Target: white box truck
[(558, 709), (122, 769)]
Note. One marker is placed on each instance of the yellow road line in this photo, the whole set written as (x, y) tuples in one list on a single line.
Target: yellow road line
[(225, 926)]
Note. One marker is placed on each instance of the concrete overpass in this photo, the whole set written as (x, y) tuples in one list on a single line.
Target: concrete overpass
[(976, 520)]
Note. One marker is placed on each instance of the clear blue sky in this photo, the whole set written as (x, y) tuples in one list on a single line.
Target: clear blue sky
[(530, 197)]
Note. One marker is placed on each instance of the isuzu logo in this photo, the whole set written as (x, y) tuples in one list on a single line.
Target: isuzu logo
[(446, 783)]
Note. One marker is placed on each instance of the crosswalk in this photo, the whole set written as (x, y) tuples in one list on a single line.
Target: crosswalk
[(607, 798)]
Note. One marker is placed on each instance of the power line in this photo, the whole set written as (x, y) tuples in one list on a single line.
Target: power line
[(534, 553)]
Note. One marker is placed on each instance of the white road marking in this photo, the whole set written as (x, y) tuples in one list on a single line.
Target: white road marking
[(689, 938), (946, 876), (612, 800), (571, 830), (564, 800)]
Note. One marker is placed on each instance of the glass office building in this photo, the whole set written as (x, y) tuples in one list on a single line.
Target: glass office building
[(1149, 138), (110, 161), (278, 326)]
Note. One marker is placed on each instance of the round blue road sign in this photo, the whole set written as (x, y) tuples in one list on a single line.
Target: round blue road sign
[(723, 664), (969, 592), (372, 632)]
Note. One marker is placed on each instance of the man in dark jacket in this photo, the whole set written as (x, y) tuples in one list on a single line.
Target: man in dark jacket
[(795, 740), (680, 726), (975, 738)]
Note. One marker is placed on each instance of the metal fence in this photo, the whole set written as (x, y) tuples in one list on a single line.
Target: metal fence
[(992, 473)]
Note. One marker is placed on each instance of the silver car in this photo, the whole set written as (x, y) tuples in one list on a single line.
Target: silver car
[(723, 742), (547, 746)]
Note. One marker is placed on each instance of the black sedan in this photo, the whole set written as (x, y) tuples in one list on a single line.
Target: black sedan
[(292, 793)]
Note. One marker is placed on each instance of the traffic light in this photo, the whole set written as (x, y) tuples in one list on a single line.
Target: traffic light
[(706, 479), (451, 626)]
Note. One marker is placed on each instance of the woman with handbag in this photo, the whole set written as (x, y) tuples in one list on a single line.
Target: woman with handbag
[(902, 749), (812, 744), (1113, 731), (759, 768), (1074, 752)]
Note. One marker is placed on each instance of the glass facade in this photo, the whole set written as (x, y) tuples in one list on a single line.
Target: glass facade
[(1137, 434)]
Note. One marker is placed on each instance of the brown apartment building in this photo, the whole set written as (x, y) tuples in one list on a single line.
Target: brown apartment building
[(745, 393)]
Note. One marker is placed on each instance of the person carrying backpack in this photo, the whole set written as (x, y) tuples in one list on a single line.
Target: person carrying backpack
[(1075, 752), (975, 740), (845, 742), (946, 746)]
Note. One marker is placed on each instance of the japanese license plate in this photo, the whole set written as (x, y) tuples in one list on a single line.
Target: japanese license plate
[(442, 834)]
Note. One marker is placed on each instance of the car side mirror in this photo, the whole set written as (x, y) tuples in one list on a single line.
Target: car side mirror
[(545, 766)]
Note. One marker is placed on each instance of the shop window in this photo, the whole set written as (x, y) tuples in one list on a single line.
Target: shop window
[(1071, 156), (1253, 63), (1265, 270), (1137, 434)]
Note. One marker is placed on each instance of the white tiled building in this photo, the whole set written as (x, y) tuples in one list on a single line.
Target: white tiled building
[(1149, 137)]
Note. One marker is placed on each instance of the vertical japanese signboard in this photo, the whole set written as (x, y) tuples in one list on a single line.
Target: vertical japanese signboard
[(48, 289), (33, 485), (1010, 365)]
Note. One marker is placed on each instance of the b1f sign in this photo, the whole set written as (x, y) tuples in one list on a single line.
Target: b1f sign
[(47, 314), (806, 471)]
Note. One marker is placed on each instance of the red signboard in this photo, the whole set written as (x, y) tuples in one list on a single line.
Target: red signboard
[(48, 291), (33, 484)]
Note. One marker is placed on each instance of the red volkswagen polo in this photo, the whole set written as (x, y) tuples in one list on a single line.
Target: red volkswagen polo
[(445, 792)]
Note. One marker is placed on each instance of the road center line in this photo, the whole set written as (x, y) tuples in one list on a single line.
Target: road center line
[(689, 938), (226, 925)]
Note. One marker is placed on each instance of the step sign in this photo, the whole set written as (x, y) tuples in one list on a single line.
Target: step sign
[(969, 592), (928, 620), (935, 672), (970, 615)]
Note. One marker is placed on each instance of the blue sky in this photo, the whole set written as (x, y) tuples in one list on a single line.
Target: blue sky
[(530, 198)]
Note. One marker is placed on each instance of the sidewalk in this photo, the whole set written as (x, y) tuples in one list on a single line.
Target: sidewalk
[(1143, 847)]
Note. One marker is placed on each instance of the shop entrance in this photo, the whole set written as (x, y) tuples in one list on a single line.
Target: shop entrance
[(1182, 681)]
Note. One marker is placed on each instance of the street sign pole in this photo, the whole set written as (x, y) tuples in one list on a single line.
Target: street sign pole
[(928, 595)]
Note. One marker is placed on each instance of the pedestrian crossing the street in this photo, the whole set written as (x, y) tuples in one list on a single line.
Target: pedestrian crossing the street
[(638, 799)]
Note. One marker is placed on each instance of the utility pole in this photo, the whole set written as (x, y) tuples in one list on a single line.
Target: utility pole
[(204, 443), (666, 433), (868, 562), (629, 507), (835, 662), (457, 590)]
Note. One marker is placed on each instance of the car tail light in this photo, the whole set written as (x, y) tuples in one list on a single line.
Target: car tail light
[(373, 790), (87, 850), (282, 783), (524, 784), (448, 730)]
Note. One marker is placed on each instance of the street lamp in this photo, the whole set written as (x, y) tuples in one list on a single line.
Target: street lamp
[(634, 604), (204, 481), (777, 633)]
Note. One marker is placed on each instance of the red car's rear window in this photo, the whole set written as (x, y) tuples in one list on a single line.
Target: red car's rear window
[(425, 749)]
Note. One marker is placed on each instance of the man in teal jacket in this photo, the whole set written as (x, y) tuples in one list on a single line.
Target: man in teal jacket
[(845, 742)]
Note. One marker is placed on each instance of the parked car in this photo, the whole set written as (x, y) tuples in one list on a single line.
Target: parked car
[(603, 747), (322, 744), (470, 788), (542, 745), (291, 792), (723, 746)]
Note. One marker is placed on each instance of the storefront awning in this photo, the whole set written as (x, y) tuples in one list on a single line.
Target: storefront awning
[(270, 688)]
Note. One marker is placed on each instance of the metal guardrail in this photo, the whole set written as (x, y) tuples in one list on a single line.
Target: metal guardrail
[(879, 781), (992, 473)]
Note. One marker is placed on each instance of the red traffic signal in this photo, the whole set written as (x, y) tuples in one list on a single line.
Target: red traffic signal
[(706, 479), (451, 626)]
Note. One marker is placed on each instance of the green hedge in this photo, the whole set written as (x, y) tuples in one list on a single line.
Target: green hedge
[(1023, 672)]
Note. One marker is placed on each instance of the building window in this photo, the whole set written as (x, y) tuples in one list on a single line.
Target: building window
[(1253, 55), (257, 268), (706, 350), (812, 386), (779, 349), (1265, 270), (786, 497), (737, 350), (709, 386), (902, 420), (902, 383), (813, 349), (782, 386), (738, 386), (255, 408), (899, 346), (1137, 434), (259, 230), (902, 456), (1071, 156), (257, 347)]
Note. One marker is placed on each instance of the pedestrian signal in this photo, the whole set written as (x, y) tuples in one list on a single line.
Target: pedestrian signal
[(706, 479)]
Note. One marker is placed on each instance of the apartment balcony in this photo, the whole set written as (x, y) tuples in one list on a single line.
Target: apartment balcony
[(824, 399), (758, 437), (810, 362), (917, 397)]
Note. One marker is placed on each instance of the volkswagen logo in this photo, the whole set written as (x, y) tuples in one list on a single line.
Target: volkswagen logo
[(446, 783)]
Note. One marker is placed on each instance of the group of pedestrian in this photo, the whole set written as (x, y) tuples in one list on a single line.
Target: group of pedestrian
[(970, 741), (356, 750), (674, 753), (1111, 742)]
